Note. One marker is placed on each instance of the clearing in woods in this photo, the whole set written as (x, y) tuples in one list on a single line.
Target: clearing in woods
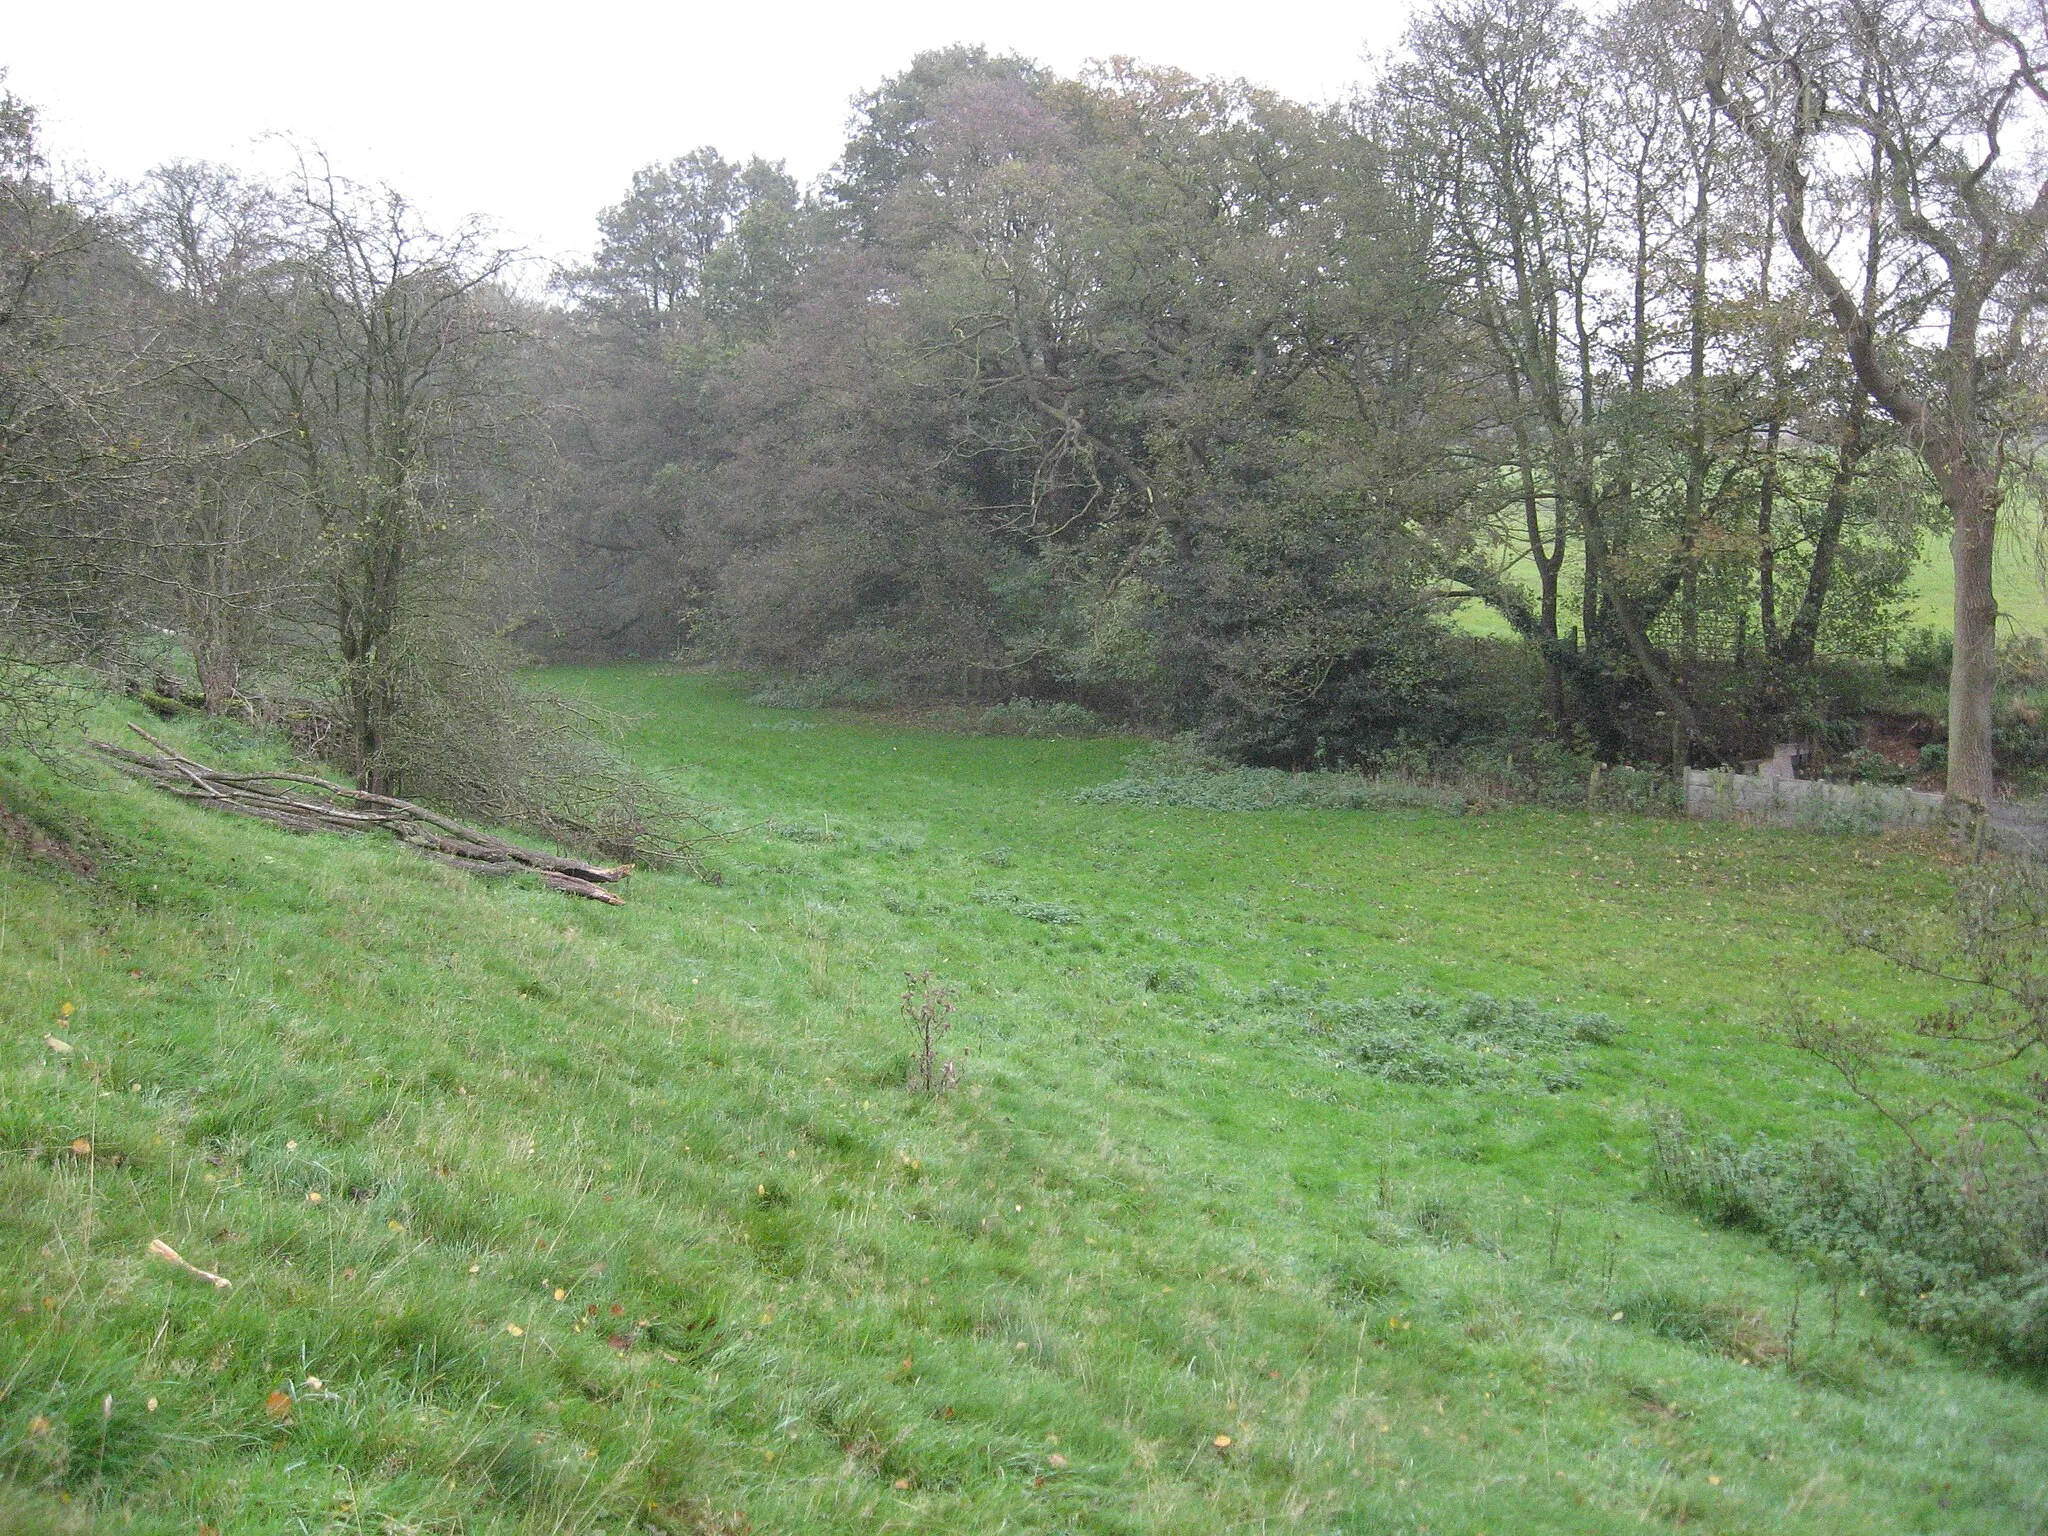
[(544, 1216)]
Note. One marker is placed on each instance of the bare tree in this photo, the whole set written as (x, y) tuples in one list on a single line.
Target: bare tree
[(380, 381), (221, 542)]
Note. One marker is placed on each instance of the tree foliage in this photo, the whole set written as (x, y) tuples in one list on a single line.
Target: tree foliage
[(1173, 396), (1655, 339)]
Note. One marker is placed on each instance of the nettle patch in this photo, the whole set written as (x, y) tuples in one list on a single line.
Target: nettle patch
[(1055, 913), (1274, 789), (1426, 1038)]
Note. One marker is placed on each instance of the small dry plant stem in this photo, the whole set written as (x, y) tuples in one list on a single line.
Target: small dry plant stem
[(929, 1007), (1792, 1327)]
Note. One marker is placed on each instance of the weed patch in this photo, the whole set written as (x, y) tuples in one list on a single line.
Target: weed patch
[(823, 692), (1271, 789), (1726, 1325), (1362, 1282), (1056, 914), (1435, 1041), (1034, 717), (1951, 1263)]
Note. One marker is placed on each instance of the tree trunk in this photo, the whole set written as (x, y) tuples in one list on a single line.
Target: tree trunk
[(219, 669), (1547, 562), (1804, 636), (1973, 498), (1767, 537)]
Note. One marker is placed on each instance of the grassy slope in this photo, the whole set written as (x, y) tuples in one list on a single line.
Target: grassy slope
[(2022, 599), (1150, 1218)]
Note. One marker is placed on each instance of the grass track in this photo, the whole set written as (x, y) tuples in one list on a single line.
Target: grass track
[(1153, 1216)]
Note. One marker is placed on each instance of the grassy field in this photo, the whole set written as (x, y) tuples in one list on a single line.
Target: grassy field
[(2022, 595), (2016, 578), (548, 1217)]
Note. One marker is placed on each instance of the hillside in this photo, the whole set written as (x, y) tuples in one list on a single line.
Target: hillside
[(548, 1217)]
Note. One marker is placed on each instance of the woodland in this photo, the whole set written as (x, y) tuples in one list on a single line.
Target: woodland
[(1586, 384)]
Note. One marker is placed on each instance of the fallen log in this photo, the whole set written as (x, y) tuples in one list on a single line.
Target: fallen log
[(570, 885), (345, 809)]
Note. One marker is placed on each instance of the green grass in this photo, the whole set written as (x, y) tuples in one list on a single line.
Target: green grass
[(1930, 589), (2016, 579), (626, 1220)]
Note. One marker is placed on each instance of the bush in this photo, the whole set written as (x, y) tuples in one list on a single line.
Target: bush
[(2023, 662), (1323, 656), (1545, 773), (469, 738), (1962, 1258), (1862, 766), (1176, 757), (1925, 656), (2019, 744)]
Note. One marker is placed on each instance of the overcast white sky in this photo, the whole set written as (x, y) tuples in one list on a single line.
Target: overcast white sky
[(535, 117)]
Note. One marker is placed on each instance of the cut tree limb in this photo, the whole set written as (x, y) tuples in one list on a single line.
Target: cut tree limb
[(570, 885), (279, 798)]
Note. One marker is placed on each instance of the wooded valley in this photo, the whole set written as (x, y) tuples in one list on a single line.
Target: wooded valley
[(1588, 381), (1121, 679)]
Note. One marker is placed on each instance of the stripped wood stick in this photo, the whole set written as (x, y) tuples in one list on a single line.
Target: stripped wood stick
[(163, 1250)]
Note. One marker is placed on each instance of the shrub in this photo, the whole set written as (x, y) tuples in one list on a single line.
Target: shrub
[(1964, 1259), (1951, 1227), (2023, 662), (928, 1006), (1405, 776), (2019, 742), (479, 743), (1312, 663), (1863, 766), (464, 734), (1175, 757), (1925, 655)]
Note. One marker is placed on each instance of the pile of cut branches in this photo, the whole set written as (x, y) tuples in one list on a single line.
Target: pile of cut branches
[(304, 803)]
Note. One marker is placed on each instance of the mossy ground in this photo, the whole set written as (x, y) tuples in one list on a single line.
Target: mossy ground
[(625, 1219)]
